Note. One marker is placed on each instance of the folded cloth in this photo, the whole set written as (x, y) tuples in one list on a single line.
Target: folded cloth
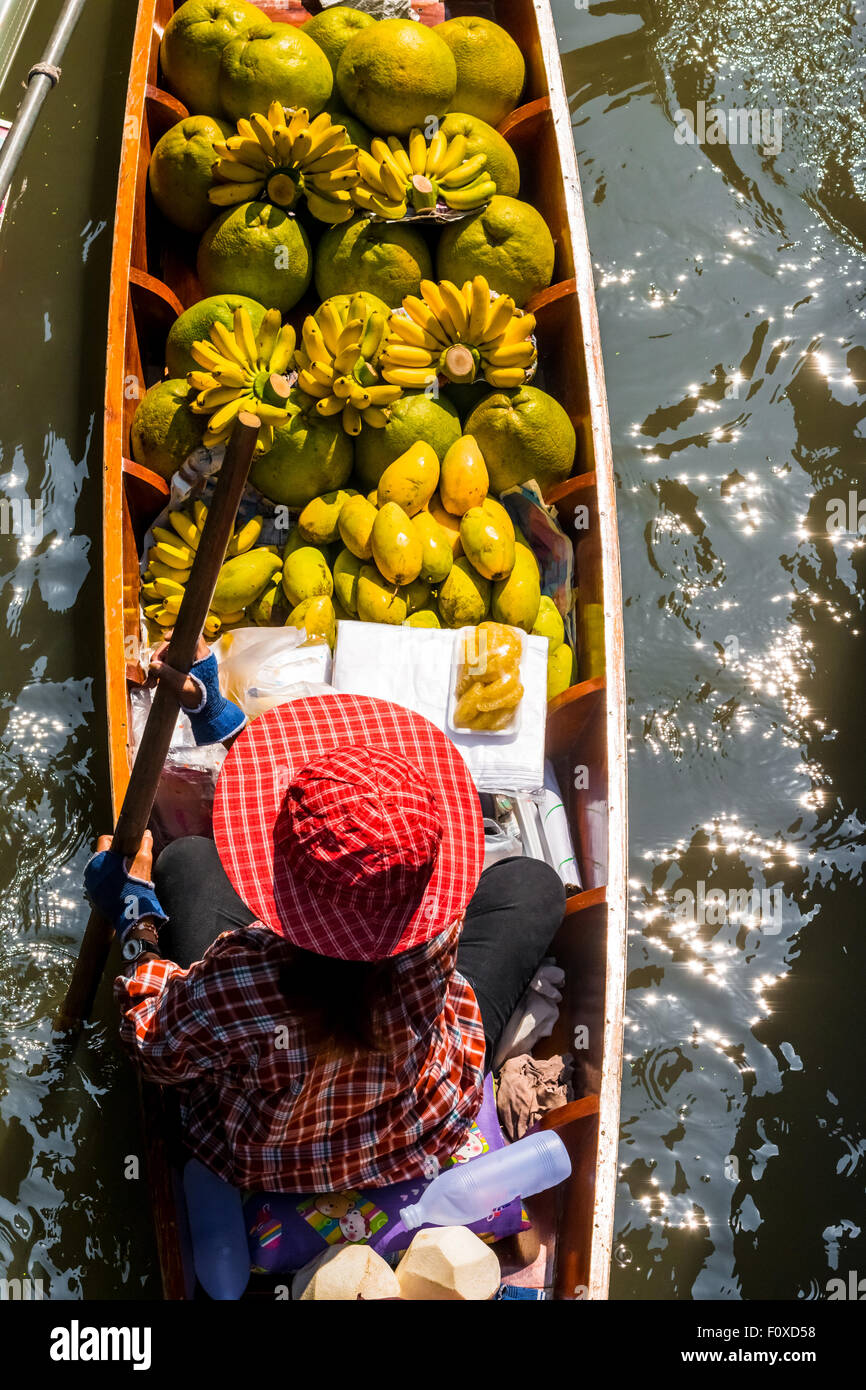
[(411, 666), (528, 1088), (535, 1015)]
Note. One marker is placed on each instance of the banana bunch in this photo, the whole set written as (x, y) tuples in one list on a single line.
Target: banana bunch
[(169, 565), (336, 364), (393, 178), (458, 333), (242, 371), (284, 155)]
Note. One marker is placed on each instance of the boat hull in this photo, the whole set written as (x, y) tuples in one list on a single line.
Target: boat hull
[(152, 281)]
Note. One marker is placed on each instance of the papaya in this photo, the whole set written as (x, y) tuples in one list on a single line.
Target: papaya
[(318, 521), (306, 575), (561, 670), (487, 544), (549, 623), (464, 597), (496, 510), (242, 580), (517, 599), (415, 595), (411, 479), (378, 601), (463, 479), (347, 567), (266, 609), (449, 523), (424, 617), (317, 617), (437, 557), (296, 541), (396, 545), (355, 525)]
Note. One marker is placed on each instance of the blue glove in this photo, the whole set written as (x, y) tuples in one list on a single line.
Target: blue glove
[(216, 718), (122, 899)]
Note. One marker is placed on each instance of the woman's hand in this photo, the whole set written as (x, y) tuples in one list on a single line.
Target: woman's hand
[(186, 689), (142, 865)]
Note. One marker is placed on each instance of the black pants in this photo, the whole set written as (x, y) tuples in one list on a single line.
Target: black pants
[(510, 922)]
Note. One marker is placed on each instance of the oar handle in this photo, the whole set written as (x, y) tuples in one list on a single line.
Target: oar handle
[(141, 790)]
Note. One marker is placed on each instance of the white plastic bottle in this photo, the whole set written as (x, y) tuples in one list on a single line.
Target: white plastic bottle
[(469, 1191)]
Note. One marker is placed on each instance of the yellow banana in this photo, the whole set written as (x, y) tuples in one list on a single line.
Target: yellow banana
[(212, 625), (200, 513), (300, 119), (314, 343), (351, 420), (432, 296), (202, 381), (226, 414), (417, 151), (185, 528), (227, 344), (245, 130), (393, 185), (331, 325), (383, 395), (435, 153), (234, 376), (244, 336), (246, 151), (452, 157), (175, 557), (423, 316), (263, 133), (472, 196), (407, 331), (521, 326), (226, 195), (456, 306), (376, 417), (400, 156), (158, 569), (464, 173), (284, 350), (403, 355), (309, 384), (328, 209), (245, 537), (411, 377), (505, 376), (479, 307), (498, 316), (276, 114), (234, 172), (268, 334), (330, 159), (329, 405), (511, 355)]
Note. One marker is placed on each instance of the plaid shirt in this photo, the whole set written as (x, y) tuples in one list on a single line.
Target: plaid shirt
[(262, 1110)]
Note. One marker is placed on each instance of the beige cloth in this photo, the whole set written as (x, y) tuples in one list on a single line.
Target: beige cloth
[(528, 1088)]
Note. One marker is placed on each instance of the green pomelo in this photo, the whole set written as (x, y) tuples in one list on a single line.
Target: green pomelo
[(490, 67), (273, 62), (181, 171), (395, 75), (195, 323), (334, 28), (358, 133), (523, 434), (164, 430), (481, 138), (310, 455), (386, 258), (413, 417), (258, 250), (507, 241), (192, 47)]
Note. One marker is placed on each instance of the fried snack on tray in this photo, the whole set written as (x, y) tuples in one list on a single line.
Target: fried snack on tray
[(488, 687)]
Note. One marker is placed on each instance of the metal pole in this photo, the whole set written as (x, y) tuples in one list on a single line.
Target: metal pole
[(40, 79)]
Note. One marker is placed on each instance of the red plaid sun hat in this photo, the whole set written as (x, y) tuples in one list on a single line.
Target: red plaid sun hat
[(349, 825)]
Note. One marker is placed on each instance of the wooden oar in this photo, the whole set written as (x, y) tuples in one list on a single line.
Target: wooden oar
[(155, 741)]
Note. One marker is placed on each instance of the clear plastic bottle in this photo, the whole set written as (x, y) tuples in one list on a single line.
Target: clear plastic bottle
[(469, 1191)]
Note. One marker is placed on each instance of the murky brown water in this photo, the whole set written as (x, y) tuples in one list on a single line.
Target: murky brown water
[(731, 290)]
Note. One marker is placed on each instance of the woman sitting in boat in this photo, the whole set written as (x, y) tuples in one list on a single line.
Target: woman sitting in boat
[(327, 980)]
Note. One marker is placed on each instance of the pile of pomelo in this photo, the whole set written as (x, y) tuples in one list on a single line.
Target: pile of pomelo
[(309, 180)]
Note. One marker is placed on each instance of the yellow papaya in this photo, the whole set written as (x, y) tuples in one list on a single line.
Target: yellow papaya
[(411, 479), (487, 544), (379, 602), (549, 623), (463, 479), (396, 545), (517, 599), (464, 597), (560, 670), (306, 575), (355, 525), (437, 557), (317, 617), (318, 522), (242, 580), (347, 567)]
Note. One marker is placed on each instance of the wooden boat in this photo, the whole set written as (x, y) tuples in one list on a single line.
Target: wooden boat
[(152, 281)]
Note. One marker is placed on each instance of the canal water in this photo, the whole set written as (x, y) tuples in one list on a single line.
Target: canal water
[(731, 285)]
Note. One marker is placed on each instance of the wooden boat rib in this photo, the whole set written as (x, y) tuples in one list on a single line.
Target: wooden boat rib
[(152, 281)]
